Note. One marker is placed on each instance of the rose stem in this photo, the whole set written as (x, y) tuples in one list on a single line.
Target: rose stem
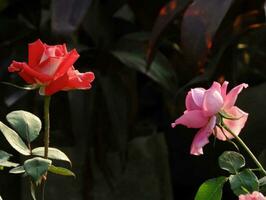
[(47, 100), (241, 142)]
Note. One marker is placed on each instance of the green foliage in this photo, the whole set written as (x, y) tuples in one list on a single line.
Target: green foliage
[(32, 190), (17, 170), (26, 124), (132, 54), (262, 185), (223, 41), (231, 161), (14, 140), (53, 153), (60, 171), (244, 182), (36, 167), (4, 156), (163, 20), (8, 164), (211, 189)]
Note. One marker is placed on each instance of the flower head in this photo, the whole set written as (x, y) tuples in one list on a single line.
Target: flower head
[(51, 67), (203, 110), (254, 196)]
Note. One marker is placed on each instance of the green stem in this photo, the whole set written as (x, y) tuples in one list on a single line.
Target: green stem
[(46, 138), (241, 142), (47, 100)]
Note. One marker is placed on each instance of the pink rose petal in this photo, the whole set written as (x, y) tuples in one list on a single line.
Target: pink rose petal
[(197, 95), (190, 103), (201, 138), (224, 89), (192, 119), (212, 102), (234, 125), (254, 196), (232, 95)]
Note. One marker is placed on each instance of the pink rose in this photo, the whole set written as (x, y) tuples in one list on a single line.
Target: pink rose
[(254, 196), (202, 109), (51, 67)]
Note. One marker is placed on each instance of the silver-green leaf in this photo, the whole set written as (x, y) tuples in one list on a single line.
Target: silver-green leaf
[(26, 124), (36, 167), (14, 140), (17, 170), (4, 155), (53, 153), (8, 164)]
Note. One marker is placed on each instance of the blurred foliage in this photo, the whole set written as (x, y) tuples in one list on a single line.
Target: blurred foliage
[(146, 55)]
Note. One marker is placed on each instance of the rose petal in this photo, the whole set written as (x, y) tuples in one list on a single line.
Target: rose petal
[(49, 66), (15, 67), (192, 119), (213, 100), (224, 89), (54, 51), (79, 80), (56, 85), (232, 95), (67, 63), (234, 125), (254, 196), (197, 95), (201, 138), (71, 80), (190, 104), (36, 50), (26, 73)]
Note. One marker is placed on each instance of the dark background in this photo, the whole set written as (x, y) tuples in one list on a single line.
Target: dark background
[(146, 55)]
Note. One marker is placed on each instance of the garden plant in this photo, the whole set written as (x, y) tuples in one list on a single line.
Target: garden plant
[(132, 99)]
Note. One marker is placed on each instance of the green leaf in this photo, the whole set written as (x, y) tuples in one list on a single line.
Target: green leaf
[(8, 164), (17, 170), (262, 181), (25, 87), (26, 124), (36, 167), (32, 190), (243, 182), (132, 54), (231, 161), (61, 171), (211, 189), (53, 153), (162, 23), (4, 156), (262, 185), (14, 140)]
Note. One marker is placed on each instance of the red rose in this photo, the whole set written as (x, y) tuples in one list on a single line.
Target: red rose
[(52, 68)]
